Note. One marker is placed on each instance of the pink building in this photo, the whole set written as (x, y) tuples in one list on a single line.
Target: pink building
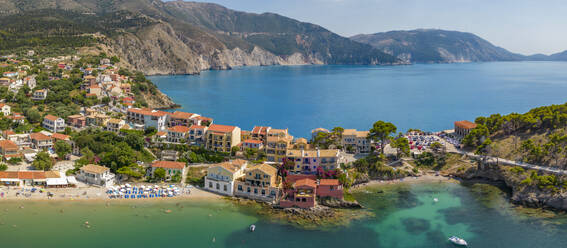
[(330, 188)]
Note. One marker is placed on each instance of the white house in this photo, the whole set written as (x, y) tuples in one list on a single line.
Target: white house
[(95, 174), (145, 118), (5, 109), (39, 95), (220, 177), (53, 123)]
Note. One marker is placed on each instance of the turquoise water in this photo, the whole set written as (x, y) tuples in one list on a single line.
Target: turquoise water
[(405, 216), (428, 97)]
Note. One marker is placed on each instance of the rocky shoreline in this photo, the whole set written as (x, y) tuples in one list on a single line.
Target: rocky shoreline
[(330, 213), (531, 196)]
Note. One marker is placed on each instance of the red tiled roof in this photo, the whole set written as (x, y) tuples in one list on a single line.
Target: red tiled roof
[(147, 111), (260, 130), (181, 115), (179, 129), (31, 174), (60, 136), (306, 182), (9, 132), (39, 136), (197, 127), (8, 144), (465, 124), (51, 117), (290, 179), (169, 165), (221, 128), (9, 174), (202, 118), (161, 133), (252, 141), (331, 182)]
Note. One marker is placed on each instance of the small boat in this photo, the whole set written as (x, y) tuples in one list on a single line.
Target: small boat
[(458, 241), (435, 199), (252, 228)]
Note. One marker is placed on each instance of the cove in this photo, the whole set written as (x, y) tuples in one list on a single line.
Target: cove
[(405, 215), (424, 96)]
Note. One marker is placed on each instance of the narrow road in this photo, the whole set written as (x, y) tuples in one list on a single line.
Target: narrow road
[(452, 148)]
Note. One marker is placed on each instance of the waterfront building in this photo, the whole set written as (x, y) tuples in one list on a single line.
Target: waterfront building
[(260, 182), (96, 174), (220, 177), (330, 188), (171, 169), (302, 194), (354, 141), (462, 128), (277, 143), (53, 123), (221, 138), (309, 161)]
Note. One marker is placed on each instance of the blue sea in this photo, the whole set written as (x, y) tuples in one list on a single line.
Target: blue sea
[(423, 96)]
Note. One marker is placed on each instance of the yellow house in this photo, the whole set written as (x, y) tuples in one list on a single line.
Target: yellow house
[(222, 138), (308, 161), (260, 182), (220, 177), (276, 147)]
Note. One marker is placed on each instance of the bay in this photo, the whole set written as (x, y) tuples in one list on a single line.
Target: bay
[(424, 96), (405, 216)]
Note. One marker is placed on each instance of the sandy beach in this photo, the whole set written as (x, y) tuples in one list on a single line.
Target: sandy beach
[(420, 179), (90, 194)]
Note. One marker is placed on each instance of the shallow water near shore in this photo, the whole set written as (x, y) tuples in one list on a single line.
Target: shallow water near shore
[(405, 216)]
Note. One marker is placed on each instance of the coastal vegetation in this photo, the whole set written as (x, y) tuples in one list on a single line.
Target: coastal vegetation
[(537, 136)]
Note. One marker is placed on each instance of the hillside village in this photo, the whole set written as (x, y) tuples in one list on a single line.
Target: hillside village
[(83, 121)]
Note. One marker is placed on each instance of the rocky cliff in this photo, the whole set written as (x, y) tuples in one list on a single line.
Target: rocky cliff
[(159, 49), (179, 37), (524, 192), (436, 46)]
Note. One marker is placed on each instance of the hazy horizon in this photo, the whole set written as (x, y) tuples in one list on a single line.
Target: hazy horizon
[(521, 26)]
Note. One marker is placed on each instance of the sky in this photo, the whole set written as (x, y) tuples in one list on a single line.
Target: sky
[(521, 26)]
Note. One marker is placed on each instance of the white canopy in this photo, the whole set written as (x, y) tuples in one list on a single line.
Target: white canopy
[(71, 180), (56, 181)]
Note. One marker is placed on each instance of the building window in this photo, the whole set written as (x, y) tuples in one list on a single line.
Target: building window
[(210, 185), (263, 192), (218, 186), (239, 187), (225, 188), (248, 189), (255, 191)]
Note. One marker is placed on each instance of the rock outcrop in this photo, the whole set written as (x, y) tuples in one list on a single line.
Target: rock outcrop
[(529, 195)]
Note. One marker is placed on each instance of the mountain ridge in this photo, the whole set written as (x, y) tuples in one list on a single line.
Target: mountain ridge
[(444, 46), (187, 37)]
